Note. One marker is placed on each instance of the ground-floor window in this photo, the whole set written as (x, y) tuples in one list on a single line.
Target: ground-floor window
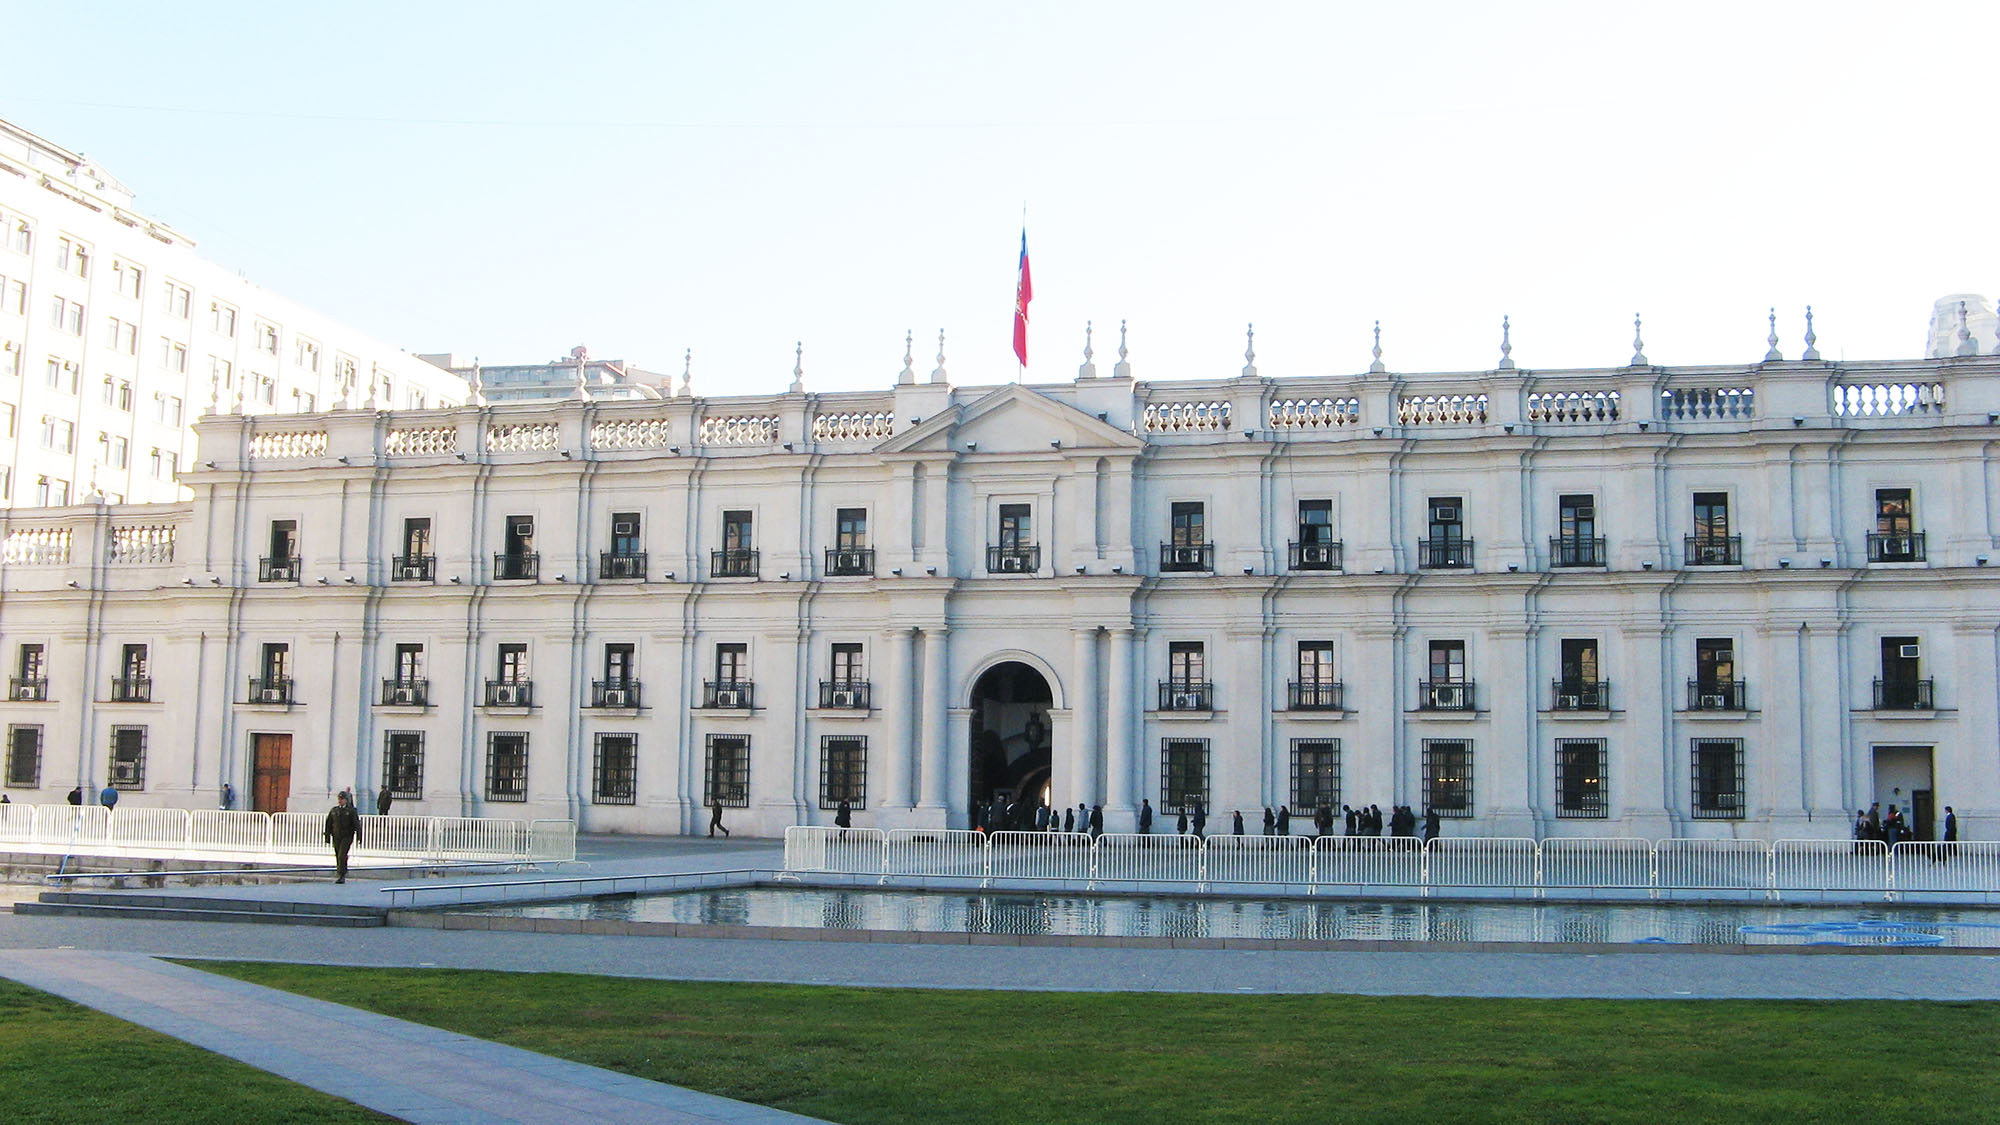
[(1315, 773), (24, 757), (128, 757), (1183, 774), (614, 770), (1717, 786), (1580, 777), (843, 771), (726, 775), (403, 763), (507, 766), (1448, 776)]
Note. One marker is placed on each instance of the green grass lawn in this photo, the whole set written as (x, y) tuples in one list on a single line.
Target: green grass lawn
[(866, 1055), (61, 1062)]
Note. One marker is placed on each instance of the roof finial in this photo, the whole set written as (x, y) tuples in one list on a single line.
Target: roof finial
[(1376, 368), (687, 375), (1638, 344), (1773, 355), (1123, 370), (908, 375), (1250, 351), (582, 357), (799, 368), (1089, 369), (478, 385), (1506, 344), (938, 375), (1966, 344), (1812, 341)]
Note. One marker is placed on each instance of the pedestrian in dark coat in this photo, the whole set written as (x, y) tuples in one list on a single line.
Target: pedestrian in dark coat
[(1352, 820), (1069, 820), (1284, 820), (715, 820), (383, 798), (1200, 821), (1096, 821), (1041, 818), (76, 795), (1270, 822), (843, 814), (1181, 824), (1146, 817), (1236, 828), (1948, 839), (1431, 825), (343, 828)]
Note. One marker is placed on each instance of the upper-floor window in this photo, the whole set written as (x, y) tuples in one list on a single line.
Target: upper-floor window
[(72, 256), (58, 434), (1576, 542), (222, 319), (409, 663), (517, 559), (117, 450), (1447, 689), (31, 663), (738, 556), (121, 336), (1903, 686), (520, 535), (736, 531), (1187, 546), (66, 315), (51, 492), (284, 539), (1712, 544), (417, 537), (128, 278), (221, 372), (1445, 545), (173, 356), (847, 668), (1016, 525), (732, 663), (1318, 687), (178, 298), (850, 529), (1895, 538), (170, 410), (1186, 662), (1447, 518), (22, 236), (117, 393), (1315, 548), (620, 663), (1016, 551), (13, 296), (513, 665), (306, 354), (61, 376), (267, 338), (1580, 685), (1716, 685)]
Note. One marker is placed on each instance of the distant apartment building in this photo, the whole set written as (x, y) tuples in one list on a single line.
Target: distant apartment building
[(115, 335), (577, 376)]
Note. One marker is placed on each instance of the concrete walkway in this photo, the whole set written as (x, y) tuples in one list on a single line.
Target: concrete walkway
[(389, 1065)]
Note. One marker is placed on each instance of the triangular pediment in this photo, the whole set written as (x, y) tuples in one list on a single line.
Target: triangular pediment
[(1011, 419)]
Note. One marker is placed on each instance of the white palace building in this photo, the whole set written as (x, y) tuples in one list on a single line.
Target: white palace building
[(1641, 600)]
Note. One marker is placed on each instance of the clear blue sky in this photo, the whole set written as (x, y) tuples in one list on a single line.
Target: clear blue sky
[(510, 180)]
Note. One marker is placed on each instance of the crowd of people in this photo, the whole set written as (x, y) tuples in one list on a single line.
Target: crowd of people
[(1003, 815), (1894, 828)]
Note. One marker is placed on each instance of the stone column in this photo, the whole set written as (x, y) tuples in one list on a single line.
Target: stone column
[(895, 704), (1118, 724), (935, 744), (1084, 746)]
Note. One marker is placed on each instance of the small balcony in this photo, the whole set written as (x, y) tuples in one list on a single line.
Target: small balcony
[(1712, 550), (1904, 548), (1905, 695), (1316, 695), (739, 562), (406, 693), (1582, 695), (1717, 695), (727, 695), (1187, 695), (1444, 695), (1315, 556), (1021, 558), (615, 695), (413, 568), (614, 565), (1576, 550), (27, 691), (1444, 554), (850, 562), (271, 691), (843, 695), (523, 567), (1187, 558), (510, 693), (132, 689), (278, 569)]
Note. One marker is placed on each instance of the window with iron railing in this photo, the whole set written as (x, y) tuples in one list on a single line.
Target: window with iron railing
[(614, 769), (1447, 766), (1187, 547), (1580, 786), (1183, 774), (1315, 773), (507, 766), (726, 772), (843, 771), (1716, 787), (403, 763)]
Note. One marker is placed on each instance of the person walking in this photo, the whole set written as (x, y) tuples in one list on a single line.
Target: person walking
[(383, 799), (1180, 825), (1200, 821), (1948, 839), (1236, 827), (1431, 825), (343, 828), (1146, 817), (1284, 820), (1096, 821), (715, 820), (76, 795), (108, 797)]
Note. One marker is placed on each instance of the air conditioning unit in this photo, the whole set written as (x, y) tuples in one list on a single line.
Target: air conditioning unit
[(271, 695), (1714, 702), (283, 573), (617, 697), (729, 699), (510, 695), (625, 528), (1910, 652), (1444, 513), (521, 529), (29, 693), (406, 695), (846, 698), (1012, 564), (1185, 701), (410, 572), (1314, 554)]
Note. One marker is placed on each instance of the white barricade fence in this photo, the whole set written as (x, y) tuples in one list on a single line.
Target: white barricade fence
[(1133, 857), (476, 838), (1830, 865), (149, 828), (934, 852), (214, 830), (17, 821), (1961, 866), (1389, 861), (65, 824), (1709, 865), (552, 841), (300, 833), (1481, 861), (1609, 862), (1038, 855), (853, 851), (396, 835), (1260, 859)]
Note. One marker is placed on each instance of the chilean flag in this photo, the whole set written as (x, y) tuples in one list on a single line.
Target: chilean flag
[(1023, 293)]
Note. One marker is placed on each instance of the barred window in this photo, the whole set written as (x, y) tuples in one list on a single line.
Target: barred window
[(1315, 773), (1183, 774), (403, 763), (128, 758), (1448, 776), (614, 770), (1717, 788), (24, 756), (1580, 765), (843, 771), (726, 775), (507, 766)]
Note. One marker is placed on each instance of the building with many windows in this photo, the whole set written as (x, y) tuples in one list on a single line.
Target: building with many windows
[(1639, 600), (115, 335)]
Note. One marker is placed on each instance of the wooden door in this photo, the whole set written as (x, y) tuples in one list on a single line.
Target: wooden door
[(271, 772)]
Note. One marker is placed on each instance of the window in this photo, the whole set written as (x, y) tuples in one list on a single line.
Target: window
[(847, 667), (625, 533), (1895, 538), (1715, 686), (117, 451), (843, 771), (22, 238), (31, 680), (1445, 546), (1016, 526), (221, 372), (736, 531), (403, 763), (619, 664), (1711, 544), (517, 559), (1016, 551), (1183, 774), (62, 375), (1187, 547), (166, 464), (267, 338), (128, 278), (24, 756), (614, 770), (1580, 687), (122, 336), (1717, 788), (732, 664), (726, 772), (173, 357), (1580, 778), (58, 434), (1448, 776), (1576, 542), (507, 766), (13, 297), (305, 353), (1901, 687), (222, 319), (128, 758), (267, 390), (73, 256), (1317, 688), (282, 564), (51, 492), (1315, 773), (416, 563), (274, 685), (850, 554), (514, 663), (1315, 548), (409, 663), (134, 682), (1447, 689), (178, 298), (1187, 687), (627, 556), (66, 316)]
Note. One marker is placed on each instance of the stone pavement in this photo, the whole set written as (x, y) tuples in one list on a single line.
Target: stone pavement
[(391, 1066)]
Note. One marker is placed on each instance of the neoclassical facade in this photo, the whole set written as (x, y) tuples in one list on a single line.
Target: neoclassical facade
[(1641, 600)]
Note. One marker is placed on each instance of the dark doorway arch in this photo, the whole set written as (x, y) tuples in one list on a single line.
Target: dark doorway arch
[(1011, 746)]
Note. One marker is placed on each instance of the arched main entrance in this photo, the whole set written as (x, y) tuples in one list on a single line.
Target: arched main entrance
[(1011, 749)]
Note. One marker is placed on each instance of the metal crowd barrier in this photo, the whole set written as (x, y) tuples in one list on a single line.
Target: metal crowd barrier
[(94, 828), (1661, 868)]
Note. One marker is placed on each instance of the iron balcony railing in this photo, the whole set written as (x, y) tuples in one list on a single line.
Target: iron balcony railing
[(1905, 695), (1021, 558), (1576, 550), (1582, 695), (1444, 695), (271, 690), (1906, 547), (27, 691), (1317, 695), (1315, 556), (850, 562), (734, 562), (1712, 550), (1717, 695), (621, 564), (413, 568), (523, 567), (405, 693), (843, 695), (510, 693), (132, 689), (1444, 554), (614, 694), (1187, 695), (1187, 557), (727, 695), (278, 569)]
